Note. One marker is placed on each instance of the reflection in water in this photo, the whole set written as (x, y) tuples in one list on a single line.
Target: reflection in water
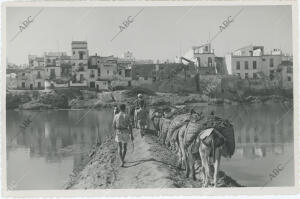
[(264, 138), (53, 145)]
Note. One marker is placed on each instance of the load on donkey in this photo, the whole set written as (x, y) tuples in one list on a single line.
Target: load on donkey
[(186, 132)]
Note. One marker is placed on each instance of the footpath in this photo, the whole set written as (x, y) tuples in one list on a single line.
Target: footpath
[(148, 165)]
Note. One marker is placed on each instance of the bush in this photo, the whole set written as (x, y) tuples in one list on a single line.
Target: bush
[(70, 93), (55, 100), (12, 101)]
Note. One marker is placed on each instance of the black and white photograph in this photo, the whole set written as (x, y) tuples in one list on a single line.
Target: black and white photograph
[(155, 95)]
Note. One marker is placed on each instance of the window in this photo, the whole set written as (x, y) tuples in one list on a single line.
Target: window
[(120, 72), (271, 74), (73, 52), (23, 74), (246, 65), (23, 84), (81, 55), (271, 62), (107, 72), (289, 79), (238, 65), (254, 64), (206, 48), (39, 85), (209, 61), (52, 73), (254, 76), (239, 74), (92, 74), (99, 71), (246, 75), (39, 74)]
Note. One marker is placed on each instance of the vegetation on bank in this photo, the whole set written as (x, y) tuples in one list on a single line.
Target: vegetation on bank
[(75, 98), (40, 100), (13, 101)]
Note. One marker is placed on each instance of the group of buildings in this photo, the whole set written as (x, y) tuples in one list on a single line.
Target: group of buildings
[(59, 70)]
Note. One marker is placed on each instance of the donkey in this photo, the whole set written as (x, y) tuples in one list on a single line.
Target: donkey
[(210, 142), (186, 142)]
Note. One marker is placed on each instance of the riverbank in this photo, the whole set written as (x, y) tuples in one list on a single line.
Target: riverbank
[(76, 99), (149, 165)]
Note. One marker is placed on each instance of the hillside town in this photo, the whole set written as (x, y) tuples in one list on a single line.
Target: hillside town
[(54, 70)]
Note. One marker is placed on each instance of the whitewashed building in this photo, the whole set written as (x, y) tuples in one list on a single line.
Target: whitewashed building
[(251, 62)]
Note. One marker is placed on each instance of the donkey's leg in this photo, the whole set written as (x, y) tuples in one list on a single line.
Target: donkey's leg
[(186, 163), (179, 154), (191, 162), (204, 161), (184, 157), (217, 165)]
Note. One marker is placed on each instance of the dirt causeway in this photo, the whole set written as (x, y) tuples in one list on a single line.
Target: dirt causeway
[(148, 165)]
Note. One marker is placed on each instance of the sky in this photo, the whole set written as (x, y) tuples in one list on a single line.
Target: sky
[(156, 33)]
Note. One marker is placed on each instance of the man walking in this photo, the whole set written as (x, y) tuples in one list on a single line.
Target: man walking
[(142, 118), (123, 129), (138, 103)]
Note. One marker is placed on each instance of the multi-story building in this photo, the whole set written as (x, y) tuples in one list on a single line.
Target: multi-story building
[(31, 78), (66, 67), (143, 74), (205, 59), (251, 62), (35, 61), (106, 72), (124, 69), (79, 59), (93, 71), (52, 61), (108, 67)]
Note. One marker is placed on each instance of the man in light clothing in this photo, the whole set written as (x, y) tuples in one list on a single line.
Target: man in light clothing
[(137, 103), (142, 118), (123, 129)]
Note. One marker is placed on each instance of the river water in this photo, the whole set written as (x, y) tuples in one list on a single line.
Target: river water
[(56, 141)]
